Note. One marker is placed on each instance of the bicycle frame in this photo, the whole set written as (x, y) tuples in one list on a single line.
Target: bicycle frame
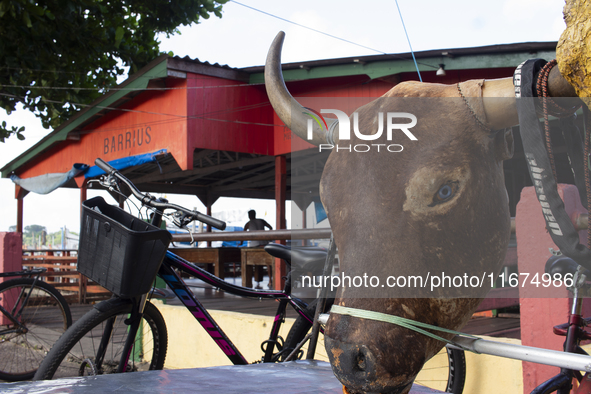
[(200, 313)]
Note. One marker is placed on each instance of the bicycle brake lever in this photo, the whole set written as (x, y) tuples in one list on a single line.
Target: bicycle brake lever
[(181, 219)]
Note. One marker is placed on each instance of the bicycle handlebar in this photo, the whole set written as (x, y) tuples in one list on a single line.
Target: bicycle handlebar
[(151, 201)]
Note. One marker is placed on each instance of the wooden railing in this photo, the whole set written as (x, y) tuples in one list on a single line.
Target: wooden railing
[(62, 274)]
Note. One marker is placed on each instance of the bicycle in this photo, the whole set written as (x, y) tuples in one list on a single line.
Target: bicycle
[(33, 316), (127, 332)]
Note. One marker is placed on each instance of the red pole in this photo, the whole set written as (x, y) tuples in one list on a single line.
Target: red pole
[(280, 191), (19, 194), (83, 197)]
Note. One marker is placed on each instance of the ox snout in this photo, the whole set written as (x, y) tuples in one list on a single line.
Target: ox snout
[(359, 370)]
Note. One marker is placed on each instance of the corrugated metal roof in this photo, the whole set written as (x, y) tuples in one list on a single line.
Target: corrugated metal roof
[(531, 47)]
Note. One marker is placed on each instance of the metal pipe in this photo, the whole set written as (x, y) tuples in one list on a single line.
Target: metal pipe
[(320, 233), (581, 222), (576, 362)]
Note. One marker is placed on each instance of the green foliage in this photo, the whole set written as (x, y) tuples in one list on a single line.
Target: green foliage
[(32, 238), (51, 45), (34, 229)]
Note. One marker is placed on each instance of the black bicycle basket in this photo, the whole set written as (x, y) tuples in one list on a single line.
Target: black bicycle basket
[(119, 251)]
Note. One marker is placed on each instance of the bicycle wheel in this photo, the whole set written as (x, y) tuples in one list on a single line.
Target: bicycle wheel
[(446, 371), (300, 328), (44, 316), (74, 354)]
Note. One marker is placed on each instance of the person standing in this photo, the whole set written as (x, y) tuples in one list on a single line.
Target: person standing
[(255, 224)]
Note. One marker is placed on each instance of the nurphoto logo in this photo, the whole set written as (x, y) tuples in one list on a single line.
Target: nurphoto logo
[(344, 126)]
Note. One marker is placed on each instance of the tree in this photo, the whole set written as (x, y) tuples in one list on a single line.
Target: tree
[(34, 229), (57, 55)]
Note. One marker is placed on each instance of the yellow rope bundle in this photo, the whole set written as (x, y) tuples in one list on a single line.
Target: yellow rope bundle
[(574, 48)]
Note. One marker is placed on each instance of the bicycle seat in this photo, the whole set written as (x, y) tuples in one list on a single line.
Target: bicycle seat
[(306, 259)]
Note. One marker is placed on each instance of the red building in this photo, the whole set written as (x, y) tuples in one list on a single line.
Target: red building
[(213, 133)]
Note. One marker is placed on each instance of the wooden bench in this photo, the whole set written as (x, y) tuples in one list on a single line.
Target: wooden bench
[(215, 258)]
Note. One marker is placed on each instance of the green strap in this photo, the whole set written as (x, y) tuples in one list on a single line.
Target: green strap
[(400, 321)]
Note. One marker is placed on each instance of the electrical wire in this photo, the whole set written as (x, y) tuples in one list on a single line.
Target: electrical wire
[(335, 37), (180, 117), (307, 27), (125, 89)]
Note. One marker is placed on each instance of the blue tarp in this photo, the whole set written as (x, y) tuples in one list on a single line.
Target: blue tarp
[(44, 184), (320, 211), (125, 162)]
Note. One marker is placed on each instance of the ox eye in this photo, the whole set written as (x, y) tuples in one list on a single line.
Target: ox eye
[(445, 193)]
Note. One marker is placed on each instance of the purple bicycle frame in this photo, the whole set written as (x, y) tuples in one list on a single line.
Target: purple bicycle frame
[(183, 293)]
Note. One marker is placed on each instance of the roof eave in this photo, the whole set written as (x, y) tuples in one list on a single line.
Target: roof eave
[(153, 70)]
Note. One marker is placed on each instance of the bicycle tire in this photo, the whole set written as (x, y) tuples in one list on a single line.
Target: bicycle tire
[(300, 328), (46, 316), (446, 371), (73, 354)]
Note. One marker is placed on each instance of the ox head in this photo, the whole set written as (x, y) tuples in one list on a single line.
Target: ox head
[(439, 206)]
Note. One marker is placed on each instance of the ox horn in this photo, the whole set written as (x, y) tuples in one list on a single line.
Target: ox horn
[(499, 113), (503, 113), (292, 113)]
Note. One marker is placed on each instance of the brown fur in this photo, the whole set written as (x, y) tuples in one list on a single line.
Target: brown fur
[(381, 210)]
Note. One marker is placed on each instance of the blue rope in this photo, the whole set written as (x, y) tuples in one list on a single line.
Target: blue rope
[(408, 39)]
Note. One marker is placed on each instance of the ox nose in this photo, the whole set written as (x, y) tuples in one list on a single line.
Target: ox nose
[(354, 362), (357, 368)]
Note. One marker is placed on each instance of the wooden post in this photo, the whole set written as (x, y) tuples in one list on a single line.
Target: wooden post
[(82, 281), (19, 194), (280, 190), (83, 197), (207, 199)]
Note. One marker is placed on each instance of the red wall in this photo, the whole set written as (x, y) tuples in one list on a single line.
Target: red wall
[(212, 113), (228, 115), (151, 121)]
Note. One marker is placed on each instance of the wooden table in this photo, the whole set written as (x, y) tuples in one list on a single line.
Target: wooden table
[(215, 256), (250, 259)]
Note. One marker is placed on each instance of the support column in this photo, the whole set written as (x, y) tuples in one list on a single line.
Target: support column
[(208, 228), (539, 315), (83, 197), (280, 191), (303, 202), (207, 199), (19, 194)]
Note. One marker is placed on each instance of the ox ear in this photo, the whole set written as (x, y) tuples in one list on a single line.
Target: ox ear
[(504, 144)]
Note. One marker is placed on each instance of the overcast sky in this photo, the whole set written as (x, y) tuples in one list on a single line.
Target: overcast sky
[(241, 39)]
